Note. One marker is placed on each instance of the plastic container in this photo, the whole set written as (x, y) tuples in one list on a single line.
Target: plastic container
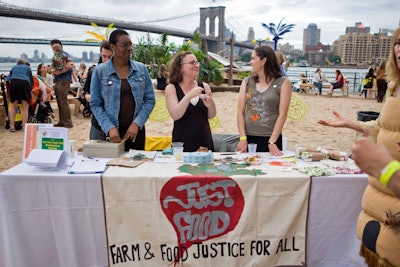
[(367, 115)]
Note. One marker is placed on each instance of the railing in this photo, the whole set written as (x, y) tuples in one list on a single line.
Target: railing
[(354, 77)]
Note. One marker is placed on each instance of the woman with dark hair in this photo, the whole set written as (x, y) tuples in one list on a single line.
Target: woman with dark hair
[(263, 103), (381, 82), (21, 81), (189, 103), (368, 82), (42, 74), (338, 83), (122, 95)]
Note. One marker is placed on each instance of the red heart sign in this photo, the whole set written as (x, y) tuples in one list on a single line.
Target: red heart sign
[(201, 207)]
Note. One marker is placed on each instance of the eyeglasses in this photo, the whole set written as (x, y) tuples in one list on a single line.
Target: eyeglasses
[(124, 45), (193, 62)]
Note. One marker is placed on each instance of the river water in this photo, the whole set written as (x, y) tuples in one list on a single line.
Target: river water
[(354, 75)]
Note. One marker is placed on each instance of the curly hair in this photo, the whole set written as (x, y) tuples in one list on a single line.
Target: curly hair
[(392, 70), (175, 75), (271, 66)]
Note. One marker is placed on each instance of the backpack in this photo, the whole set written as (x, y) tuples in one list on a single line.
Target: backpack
[(367, 82)]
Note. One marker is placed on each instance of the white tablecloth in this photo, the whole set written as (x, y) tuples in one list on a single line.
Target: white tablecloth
[(56, 219)]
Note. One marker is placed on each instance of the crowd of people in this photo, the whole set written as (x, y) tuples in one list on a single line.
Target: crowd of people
[(121, 97)]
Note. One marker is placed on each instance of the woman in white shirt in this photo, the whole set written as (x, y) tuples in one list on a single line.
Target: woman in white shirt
[(317, 80)]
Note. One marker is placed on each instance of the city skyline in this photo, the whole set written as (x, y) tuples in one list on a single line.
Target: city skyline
[(332, 20)]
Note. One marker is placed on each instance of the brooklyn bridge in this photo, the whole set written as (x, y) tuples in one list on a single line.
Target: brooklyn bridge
[(215, 43)]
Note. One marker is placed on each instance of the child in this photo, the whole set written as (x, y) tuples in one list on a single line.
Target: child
[(59, 60)]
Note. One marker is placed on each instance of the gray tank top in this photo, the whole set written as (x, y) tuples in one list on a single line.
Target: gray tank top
[(262, 109)]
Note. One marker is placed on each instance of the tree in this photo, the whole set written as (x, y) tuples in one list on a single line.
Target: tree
[(278, 31)]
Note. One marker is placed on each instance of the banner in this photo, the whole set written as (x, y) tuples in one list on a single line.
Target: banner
[(156, 216)]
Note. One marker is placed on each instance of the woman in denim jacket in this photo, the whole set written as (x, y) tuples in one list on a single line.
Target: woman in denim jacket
[(122, 95)]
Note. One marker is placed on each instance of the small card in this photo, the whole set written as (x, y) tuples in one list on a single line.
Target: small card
[(47, 159)]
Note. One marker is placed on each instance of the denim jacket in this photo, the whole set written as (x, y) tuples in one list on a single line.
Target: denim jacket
[(105, 94), (21, 72)]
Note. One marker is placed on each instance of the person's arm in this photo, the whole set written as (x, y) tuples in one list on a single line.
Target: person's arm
[(341, 121), (148, 102), (374, 159), (285, 95), (177, 108), (241, 123), (97, 104), (86, 86)]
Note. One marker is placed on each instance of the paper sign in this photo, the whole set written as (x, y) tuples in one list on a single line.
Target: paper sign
[(53, 138), (31, 140)]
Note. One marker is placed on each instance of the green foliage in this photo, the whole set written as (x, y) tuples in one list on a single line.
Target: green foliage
[(153, 53), (245, 57), (243, 74), (210, 72), (335, 59)]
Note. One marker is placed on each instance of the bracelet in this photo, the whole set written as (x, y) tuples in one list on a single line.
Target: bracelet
[(387, 172), (271, 143), (243, 138)]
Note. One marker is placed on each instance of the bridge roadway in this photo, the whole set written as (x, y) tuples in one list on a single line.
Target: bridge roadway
[(13, 11)]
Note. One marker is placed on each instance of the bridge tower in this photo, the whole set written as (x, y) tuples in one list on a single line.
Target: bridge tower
[(212, 13)]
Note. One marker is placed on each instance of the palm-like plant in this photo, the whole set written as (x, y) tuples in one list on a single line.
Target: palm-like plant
[(278, 31), (98, 35)]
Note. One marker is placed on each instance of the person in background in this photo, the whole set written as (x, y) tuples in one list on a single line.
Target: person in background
[(41, 74), (378, 223), (62, 79), (124, 102), (381, 82), (263, 103), (374, 159), (338, 83), (59, 59), (162, 76), (82, 73), (368, 82), (96, 133), (49, 77), (189, 103), (20, 90), (317, 80), (281, 60)]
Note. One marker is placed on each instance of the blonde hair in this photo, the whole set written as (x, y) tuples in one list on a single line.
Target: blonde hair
[(393, 72), (280, 57)]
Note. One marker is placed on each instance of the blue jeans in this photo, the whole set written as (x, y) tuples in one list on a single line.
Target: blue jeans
[(319, 86), (96, 134)]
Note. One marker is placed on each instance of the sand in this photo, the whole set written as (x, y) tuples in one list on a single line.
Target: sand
[(304, 132)]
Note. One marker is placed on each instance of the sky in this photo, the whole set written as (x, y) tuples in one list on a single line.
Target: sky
[(332, 17)]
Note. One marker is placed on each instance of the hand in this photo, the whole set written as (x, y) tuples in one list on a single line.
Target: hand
[(340, 121), (196, 91), (114, 135), (207, 100), (131, 133), (274, 150), (370, 157), (242, 146)]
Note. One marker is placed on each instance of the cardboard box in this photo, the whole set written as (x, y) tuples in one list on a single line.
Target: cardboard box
[(103, 149)]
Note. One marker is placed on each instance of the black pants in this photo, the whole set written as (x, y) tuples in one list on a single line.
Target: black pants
[(139, 141), (262, 142)]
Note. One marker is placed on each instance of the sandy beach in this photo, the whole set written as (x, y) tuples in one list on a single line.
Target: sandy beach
[(303, 132)]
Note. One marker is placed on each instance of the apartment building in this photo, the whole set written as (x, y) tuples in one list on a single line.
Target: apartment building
[(362, 49)]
